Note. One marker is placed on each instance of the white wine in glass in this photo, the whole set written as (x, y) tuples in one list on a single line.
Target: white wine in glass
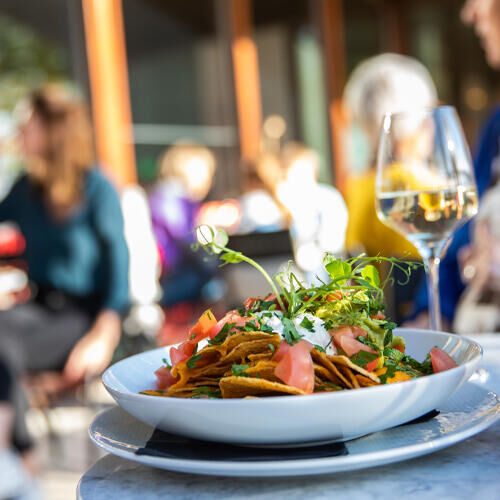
[(425, 185)]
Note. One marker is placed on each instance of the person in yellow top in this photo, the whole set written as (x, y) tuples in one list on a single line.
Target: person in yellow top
[(365, 232), (381, 84)]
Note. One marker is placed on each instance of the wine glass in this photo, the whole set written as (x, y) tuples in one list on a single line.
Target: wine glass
[(425, 186)]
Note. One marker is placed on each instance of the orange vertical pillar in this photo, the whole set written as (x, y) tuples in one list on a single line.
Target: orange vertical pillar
[(246, 77), (107, 60), (331, 20)]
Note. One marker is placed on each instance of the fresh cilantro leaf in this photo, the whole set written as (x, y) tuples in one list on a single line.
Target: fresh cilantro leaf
[(219, 338), (319, 348), (241, 311), (192, 336), (239, 370), (425, 367), (290, 333), (390, 372), (388, 338), (166, 363), (191, 362), (390, 352), (390, 325), (207, 391), (367, 342), (266, 305), (333, 386), (266, 328), (251, 326), (362, 358), (271, 346), (307, 324)]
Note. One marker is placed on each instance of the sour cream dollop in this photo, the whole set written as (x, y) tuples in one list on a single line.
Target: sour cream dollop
[(317, 334)]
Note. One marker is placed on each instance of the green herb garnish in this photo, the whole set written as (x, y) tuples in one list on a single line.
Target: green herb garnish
[(206, 391), (239, 370), (290, 333), (307, 324), (191, 362)]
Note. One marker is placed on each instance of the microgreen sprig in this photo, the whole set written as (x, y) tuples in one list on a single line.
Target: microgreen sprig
[(214, 242)]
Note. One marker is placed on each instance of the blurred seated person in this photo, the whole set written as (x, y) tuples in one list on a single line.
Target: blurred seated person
[(185, 178), (484, 15), (386, 83), (260, 210), (76, 255), (478, 310)]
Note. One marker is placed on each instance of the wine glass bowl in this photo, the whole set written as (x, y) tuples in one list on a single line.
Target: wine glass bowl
[(425, 187)]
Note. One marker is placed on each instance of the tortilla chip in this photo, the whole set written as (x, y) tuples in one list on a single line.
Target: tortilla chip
[(238, 387), (345, 361), (244, 349), (323, 374), (324, 359), (153, 393), (365, 381), (348, 373)]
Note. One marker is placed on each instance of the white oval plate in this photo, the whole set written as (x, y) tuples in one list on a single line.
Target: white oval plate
[(469, 411), (282, 420)]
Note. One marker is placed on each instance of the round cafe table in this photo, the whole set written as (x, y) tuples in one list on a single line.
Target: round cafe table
[(466, 470)]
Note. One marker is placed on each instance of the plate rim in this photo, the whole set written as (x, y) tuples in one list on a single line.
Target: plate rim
[(304, 467)]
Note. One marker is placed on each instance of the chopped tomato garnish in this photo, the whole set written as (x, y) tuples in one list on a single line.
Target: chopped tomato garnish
[(331, 297), (230, 317), (345, 337), (371, 365), (281, 351), (203, 327), (183, 352), (296, 367), (441, 361), (400, 348), (379, 315), (164, 378)]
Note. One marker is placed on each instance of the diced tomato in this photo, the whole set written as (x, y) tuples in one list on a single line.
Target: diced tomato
[(371, 365), (281, 351), (400, 348), (296, 367), (164, 378), (203, 327), (183, 352), (379, 315), (230, 317), (345, 337), (332, 297), (441, 361), (250, 302)]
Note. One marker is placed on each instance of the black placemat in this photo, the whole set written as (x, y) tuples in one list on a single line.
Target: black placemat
[(163, 444)]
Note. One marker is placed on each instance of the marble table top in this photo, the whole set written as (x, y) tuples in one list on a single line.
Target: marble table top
[(466, 470)]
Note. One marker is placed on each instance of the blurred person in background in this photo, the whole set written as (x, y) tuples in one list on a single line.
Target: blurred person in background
[(186, 172), (386, 83), (485, 17), (76, 255), (479, 306)]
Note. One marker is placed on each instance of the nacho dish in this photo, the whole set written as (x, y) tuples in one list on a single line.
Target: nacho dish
[(298, 339)]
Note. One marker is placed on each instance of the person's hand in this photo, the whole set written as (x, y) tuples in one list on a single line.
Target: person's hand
[(92, 354)]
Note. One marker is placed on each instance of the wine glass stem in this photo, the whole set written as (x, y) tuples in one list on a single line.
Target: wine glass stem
[(432, 275)]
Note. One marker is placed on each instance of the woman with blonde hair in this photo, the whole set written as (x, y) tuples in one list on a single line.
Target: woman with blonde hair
[(76, 255)]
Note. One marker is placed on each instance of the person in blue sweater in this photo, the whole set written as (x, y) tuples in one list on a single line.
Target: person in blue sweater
[(484, 15), (76, 255)]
